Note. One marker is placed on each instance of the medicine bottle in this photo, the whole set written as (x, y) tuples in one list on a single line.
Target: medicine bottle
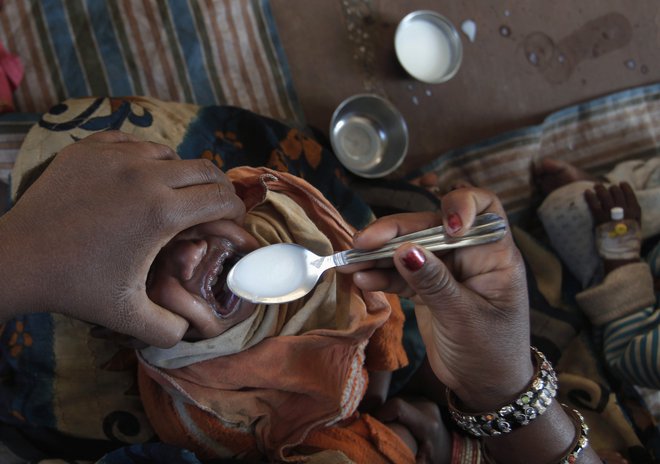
[(620, 238)]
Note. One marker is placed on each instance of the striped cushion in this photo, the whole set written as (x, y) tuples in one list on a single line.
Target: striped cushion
[(594, 136), (205, 52)]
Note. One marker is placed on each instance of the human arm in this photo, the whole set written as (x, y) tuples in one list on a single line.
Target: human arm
[(601, 200), (81, 239), (623, 304), (473, 313)]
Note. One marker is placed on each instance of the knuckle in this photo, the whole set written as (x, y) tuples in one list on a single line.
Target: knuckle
[(209, 171), (165, 150), (228, 201), (434, 281), (132, 175), (151, 148), (158, 217)]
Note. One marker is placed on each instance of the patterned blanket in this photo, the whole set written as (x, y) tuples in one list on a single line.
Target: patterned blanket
[(58, 383)]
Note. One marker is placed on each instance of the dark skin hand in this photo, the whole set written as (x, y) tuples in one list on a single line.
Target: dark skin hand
[(81, 239), (602, 199), (472, 310)]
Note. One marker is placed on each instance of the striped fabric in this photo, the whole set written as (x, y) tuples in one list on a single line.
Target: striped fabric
[(632, 347), (594, 136), (197, 51), (13, 129)]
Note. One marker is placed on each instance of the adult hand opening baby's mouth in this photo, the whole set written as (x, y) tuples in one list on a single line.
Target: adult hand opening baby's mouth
[(189, 277)]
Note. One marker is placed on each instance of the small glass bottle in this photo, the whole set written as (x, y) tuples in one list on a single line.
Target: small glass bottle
[(619, 239)]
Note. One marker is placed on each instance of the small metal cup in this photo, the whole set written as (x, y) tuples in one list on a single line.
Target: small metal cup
[(369, 135), (428, 60)]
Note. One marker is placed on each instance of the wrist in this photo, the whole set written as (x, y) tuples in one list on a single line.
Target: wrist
[(491, 395), (610, 265), (515, 412), (496, 390)]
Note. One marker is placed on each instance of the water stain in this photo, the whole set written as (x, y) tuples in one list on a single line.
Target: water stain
[(557, 60), (539, 50), (505, 31), (644, 69), (630, 64)]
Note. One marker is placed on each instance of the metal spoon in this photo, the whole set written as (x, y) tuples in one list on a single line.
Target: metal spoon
[(285, 271)]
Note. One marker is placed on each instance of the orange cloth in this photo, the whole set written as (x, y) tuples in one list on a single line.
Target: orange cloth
[(364, 440), (268, 398)]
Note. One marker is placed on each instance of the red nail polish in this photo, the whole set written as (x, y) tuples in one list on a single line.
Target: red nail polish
[(414, 259), (454, 222)]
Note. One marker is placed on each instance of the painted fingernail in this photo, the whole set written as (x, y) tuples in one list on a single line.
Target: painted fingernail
[(414, 259), (454, 222)]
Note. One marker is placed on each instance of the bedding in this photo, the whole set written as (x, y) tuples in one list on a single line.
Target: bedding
[(204, 52), (227, 52)]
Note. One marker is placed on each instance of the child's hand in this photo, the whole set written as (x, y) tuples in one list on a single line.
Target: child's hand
[(420, 419), (601, 200)]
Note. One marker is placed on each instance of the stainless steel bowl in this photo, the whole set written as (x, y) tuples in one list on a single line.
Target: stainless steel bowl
[(433, 58), (369, 135)]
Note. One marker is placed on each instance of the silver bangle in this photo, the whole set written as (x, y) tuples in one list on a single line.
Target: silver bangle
[(581, 439), (533, 402)]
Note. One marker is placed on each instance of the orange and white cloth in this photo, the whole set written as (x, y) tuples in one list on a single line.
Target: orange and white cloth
[(286, 382)]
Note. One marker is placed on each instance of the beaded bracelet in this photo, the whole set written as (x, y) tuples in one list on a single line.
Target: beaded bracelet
[(581, 439), (533, 402), (579, 443)]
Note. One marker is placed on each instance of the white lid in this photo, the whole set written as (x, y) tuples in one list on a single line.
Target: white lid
[(616, 213)]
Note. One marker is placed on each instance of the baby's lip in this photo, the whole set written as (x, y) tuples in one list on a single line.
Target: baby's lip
[(190, 256), (210, 274)]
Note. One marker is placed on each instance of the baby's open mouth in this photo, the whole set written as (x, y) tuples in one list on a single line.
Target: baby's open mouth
[(190, 273), (220, 258), (215, 291)]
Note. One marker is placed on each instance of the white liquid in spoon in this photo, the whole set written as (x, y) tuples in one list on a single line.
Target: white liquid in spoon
[(423, 50), (269, 272)]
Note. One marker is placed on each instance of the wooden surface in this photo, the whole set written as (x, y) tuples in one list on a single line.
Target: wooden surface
[(529, 58)]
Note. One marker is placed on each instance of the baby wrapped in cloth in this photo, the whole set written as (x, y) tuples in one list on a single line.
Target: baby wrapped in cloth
[(285, 382)]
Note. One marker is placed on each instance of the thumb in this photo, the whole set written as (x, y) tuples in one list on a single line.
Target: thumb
[(427, 275), (156, 325)]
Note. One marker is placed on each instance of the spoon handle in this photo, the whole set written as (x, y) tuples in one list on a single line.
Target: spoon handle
[(487, 228)]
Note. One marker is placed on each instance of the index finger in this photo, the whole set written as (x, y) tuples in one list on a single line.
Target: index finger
[(460, 207), (201, 203), (154, 325), (386, 228), (598, 214), (632, 210), (111, 136)]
